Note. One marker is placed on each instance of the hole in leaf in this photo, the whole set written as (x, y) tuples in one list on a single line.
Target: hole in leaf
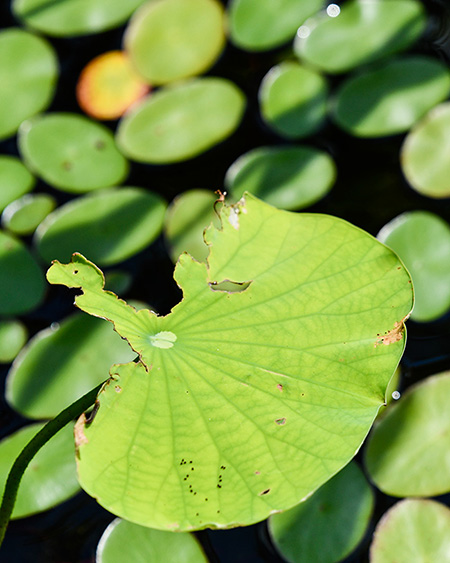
[(229, 286)]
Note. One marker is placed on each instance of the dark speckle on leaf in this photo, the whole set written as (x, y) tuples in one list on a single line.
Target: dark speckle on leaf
[(265, 492)]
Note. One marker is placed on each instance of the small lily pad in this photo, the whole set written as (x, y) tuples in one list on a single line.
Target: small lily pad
[(391, 98), (71, 152), (259, 25), (13, 335), (329, 525), (50, 478), (287, 177), (125, 541), (108, 85), (182, 121), (407, 453), (359, 32), (28, 74), (74, 17), (109, 226), (23, 215), (186, 219), (422, 240), (21, 279), (413, 530), (424, 154), (173, 39), (15, 180), (293, 100), (77, 355)]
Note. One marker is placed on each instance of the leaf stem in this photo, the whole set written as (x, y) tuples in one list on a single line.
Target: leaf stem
[(30, 450)]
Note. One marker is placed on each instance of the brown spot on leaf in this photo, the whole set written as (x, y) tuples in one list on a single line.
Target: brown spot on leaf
[(280, 421), (393, 335), (279, 387), (79, 435), (118, 389)]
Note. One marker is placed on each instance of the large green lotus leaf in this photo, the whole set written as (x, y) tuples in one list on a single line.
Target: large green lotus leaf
[(413, 530), (125, 541), (110, 225), (181, 121), (422, 240), (359, 32), (328, 526), (254, 391), (23, 215), (287, 177), (21, 280), (15, 180), (77, 355), (71, 152), (13, 335), (259, 25), (391, 98), (28, 74), (424, 154), (50, 478), (407, 453), (73, 17), (172, 39)]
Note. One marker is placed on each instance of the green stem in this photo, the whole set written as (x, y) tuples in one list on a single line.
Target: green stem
[(30, 450)]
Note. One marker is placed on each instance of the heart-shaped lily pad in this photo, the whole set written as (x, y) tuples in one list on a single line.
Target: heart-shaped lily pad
[(77, 355), (391, 98), (15, 180), (23, 215), (287, 177), (13, 335), (71, 152), (328, 526), (413, 530), (182, 121), (422, 240), (173, 39), (293, 100), (125, 541), (240, 388), (28, 73), (259, 25), (407, 453), (50, 478), (109, 226), (359, 32)]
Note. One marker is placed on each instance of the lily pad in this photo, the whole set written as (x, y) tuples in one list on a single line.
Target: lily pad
[(15, 180), (21, 279), (328, 526), (26, 87), (74, 17), (50, 478), (173, 39), (77, 355), (109, 226), (23, 215), (108, 85), (359, 32), (391, 98), (413, 530), (281, 374), (287, 177), (13, 335), (186, 220), (407, 453), (259, 25), (71, 152), (182, 121), (125, 541), (424, 154), (422, 240), (293, 100)]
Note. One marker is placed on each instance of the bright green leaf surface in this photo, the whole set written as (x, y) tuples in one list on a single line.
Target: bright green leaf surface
[(407, 453), (361, 32), (15, 180), (245, 401), (13, 335), (51, 476), (23, 215), (125, 541), (326, 527), (414, 531)]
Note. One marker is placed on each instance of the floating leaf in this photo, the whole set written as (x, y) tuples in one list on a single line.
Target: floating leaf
[(13, 335), (23, 215), (15, 180), (240, 389), (407, 453)]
